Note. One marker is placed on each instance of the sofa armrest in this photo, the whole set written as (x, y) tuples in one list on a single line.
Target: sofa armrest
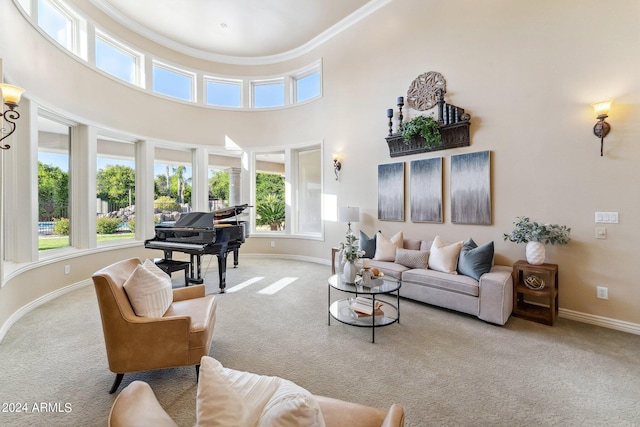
[(188, 292), (137, 406), (496, 295), (395, 417)]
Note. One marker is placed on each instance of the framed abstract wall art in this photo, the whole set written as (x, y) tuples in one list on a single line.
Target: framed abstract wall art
[(426, 190), (471, 188), (391, 192)]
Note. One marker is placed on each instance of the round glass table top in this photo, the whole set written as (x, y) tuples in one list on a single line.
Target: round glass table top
[(380, 285)]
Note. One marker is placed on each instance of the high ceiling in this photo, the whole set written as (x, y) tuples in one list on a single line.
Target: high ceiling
[(240, 31)]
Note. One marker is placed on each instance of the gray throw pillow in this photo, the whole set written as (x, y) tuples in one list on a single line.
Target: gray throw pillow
[(368, 245), (474, 261)]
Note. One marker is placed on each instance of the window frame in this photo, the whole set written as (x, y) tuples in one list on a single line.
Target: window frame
[(299, 75), (230, 81), (138, 58), (176, 70), (74, 31), (267, 82)]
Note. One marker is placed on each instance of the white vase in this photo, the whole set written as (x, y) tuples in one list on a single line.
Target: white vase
[(349, 272), (535, 253), (339, 262)]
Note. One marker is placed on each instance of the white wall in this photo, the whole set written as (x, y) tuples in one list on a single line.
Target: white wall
[(527, 73)]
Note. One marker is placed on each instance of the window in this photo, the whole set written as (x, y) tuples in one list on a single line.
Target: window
[(116, 190), (53, 184), (218, 188), (287, 188), (60, 23), (268, 93), (117, 60), (224, 93), (307, 87), (270, 192), (173, 82), (172, 183), (308, 190)]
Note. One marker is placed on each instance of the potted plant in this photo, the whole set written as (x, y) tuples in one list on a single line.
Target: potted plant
[(425, 127), (536, 235), (350, 253)]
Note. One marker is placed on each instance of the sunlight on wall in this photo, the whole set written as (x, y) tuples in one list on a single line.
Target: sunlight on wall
[(330, 207)]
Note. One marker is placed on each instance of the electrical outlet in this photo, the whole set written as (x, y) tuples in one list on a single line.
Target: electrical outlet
[(273, 244), (67, 269), (601, 232), (602, 292)]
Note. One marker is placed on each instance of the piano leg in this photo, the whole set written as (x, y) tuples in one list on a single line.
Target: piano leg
[(222, 270), (196, 273), (235, 257)]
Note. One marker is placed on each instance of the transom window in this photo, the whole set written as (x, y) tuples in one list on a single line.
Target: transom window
[(116, 59), (224, 93), (268, 93), (307, 87), (173, 82), (58, 22)]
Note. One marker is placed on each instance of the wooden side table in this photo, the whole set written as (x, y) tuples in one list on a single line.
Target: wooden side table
[(539, 305)]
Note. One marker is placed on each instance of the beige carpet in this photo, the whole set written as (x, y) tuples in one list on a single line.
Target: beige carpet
[(445, 368)]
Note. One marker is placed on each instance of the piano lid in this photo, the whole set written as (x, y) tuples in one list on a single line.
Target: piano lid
[(206, 219)]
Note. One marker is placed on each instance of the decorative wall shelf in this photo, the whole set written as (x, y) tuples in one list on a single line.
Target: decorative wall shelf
[(427, 91)]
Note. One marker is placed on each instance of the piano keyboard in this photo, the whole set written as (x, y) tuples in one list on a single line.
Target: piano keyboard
[(174, 245)]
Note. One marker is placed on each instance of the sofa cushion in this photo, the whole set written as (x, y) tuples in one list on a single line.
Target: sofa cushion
[(291, 406), (412, 258), (425, 245), (413, 244), (437, 279), (368, 245), (150, 295), (386, 247), (444, 257), (475, 261)]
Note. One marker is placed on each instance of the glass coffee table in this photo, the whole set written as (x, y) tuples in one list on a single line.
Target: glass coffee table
[(341, 309)]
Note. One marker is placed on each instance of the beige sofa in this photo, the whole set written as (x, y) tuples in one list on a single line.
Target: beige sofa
[(490, 298)]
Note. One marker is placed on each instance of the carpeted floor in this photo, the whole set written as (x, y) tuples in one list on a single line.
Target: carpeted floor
[(445, 368)]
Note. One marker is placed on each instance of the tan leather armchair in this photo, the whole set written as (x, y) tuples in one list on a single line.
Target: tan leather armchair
[(180, 338), (137, 406)]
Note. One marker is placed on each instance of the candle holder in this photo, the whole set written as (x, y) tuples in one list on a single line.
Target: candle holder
[(390, 116), (400, 104)]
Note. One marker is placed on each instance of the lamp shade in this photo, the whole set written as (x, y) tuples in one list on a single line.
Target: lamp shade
[(348, 214), (10, 93), (602, 108)]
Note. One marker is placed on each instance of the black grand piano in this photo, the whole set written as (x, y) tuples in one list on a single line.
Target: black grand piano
[(201, 233)]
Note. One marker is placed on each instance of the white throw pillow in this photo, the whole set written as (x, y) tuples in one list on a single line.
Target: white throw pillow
[(412, 259), (153, 268), (291, 406), (149, 294), (444, 257), (386, 247), (217, 403), (227, 397)]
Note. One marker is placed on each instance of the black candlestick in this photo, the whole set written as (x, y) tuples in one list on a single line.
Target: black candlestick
[(400, 104), (390, 116)]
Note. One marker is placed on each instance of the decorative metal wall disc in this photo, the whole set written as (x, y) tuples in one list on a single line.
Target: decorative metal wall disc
[(422, 94)]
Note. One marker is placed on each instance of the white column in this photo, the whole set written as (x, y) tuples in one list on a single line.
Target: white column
[(20, 175), (84, 143), (200, 180), (144, 190)]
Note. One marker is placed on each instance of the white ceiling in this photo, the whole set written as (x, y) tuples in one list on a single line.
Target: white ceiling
[(239, 31)]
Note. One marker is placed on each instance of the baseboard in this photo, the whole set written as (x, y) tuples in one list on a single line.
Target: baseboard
[(605, 322), (38, 302)]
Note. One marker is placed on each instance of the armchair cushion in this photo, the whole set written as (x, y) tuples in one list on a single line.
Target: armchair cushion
[(150, 294)]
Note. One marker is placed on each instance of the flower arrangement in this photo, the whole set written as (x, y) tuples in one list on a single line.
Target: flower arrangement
[(526, 231), (351, 249)]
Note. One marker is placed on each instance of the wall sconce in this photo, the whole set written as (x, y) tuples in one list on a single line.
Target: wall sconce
[(601, 128), (11, 96), (337, 165)]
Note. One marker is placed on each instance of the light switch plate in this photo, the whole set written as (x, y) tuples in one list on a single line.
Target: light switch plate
[(601, 233), (606, 217)]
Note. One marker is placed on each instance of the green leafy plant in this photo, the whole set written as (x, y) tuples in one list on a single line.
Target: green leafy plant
[(61, 226), (351, 248), (164, 203), (271, 211), (526, 231), (106, 225), (422, 126)]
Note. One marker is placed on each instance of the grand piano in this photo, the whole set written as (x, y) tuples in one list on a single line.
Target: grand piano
[(202, 233)]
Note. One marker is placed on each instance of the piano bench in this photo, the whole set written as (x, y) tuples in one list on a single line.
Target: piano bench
[(170, 266)]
